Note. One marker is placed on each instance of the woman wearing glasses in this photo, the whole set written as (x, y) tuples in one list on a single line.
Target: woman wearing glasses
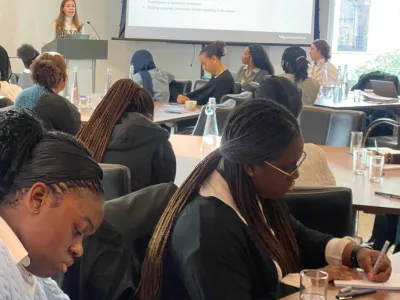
[(226, 234)]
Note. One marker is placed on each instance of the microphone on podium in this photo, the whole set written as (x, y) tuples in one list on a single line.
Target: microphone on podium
[(94, 30)]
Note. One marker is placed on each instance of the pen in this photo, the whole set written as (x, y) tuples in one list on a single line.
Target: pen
[(388, 195), (352, 295), (382, 254)]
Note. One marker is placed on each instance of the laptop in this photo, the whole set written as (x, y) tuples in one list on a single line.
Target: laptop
[(384, 88)]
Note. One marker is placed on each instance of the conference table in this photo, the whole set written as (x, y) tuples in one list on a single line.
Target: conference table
[(188, 155), (350, 104), (161, 116)]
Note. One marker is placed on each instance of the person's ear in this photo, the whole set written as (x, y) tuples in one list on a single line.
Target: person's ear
[(39, 197), (249, 170)]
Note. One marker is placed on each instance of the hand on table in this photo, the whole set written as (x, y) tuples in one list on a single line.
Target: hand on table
[(366, 260), (182, 99), (341, 273)]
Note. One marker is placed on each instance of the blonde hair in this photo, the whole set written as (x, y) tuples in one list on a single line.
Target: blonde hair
[(59, 22)]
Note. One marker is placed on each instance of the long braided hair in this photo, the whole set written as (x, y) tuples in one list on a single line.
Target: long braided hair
[(125, 95), (258, 131)]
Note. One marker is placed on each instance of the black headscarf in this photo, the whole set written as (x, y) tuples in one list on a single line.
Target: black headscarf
[(142, 62), (5, 65)]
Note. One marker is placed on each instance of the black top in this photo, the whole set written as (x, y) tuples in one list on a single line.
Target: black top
[(216, 87), (57, 113), (144, 147), (212, 255)]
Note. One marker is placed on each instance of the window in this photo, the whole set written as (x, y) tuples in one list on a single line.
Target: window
[(365, 36), (353, 25)]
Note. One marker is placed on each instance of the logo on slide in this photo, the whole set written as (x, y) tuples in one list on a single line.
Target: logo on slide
[(286, 37)]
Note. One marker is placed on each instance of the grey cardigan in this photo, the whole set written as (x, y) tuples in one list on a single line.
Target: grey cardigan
[(257, 76)]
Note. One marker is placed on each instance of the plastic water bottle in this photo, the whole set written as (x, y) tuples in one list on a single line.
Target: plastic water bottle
[(338, 93), (74, 96), (345, 82), (326, 87), (108, 80), (131, 72), (211, 139)]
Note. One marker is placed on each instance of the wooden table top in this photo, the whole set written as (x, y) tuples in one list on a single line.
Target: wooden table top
[(161, 116), (351, 105), (187, 150), (332, 292)]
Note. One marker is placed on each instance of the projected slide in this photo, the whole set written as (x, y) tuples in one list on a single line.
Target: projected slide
[(264, 21)]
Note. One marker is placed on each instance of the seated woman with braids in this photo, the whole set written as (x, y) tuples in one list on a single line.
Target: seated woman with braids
[(121, 131), (227, 234), (51, 197)]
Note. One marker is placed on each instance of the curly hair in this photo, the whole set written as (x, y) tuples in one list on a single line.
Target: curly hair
[(323, 47), (49, 70)]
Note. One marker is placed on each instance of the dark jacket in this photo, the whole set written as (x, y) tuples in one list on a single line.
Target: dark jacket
[(112, 261), (143, 147), (207, 258), (57, 113), (216, 87), (364, 82)]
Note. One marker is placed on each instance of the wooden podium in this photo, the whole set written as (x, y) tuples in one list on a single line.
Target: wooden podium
[(80, 49)]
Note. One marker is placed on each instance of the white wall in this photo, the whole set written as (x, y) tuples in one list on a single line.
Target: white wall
[(23, 21)]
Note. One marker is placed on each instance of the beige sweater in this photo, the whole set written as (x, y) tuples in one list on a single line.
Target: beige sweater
[(9, 90), (315, 171)]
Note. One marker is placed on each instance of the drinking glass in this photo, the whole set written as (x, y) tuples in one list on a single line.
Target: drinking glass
[(313, 285), (357, 95), (360, 161), (376, 163), (356, 140)]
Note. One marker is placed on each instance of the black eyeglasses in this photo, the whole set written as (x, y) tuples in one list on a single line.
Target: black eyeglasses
[(298, 164)]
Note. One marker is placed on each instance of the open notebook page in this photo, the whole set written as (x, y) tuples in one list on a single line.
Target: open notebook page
[(393, 284)]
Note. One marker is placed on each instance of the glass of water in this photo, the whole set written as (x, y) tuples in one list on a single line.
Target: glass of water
[(356, 140), (360, 161), (313, 285), (357, 95), (376, 164)]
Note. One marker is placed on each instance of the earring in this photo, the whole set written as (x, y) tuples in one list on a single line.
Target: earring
[(36, 209), (251, 174)]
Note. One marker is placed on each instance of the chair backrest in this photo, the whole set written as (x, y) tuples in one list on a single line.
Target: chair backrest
[(237, 89), (111, 263), (239, 98), (200, 83), (328, 210), (116, 181), (178, 87), (324, 126), (14, 78), (223, 111)]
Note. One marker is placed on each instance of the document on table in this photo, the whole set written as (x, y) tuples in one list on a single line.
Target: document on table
[(393, 284)]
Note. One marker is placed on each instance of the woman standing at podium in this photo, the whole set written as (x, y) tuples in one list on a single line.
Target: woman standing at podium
[(68, 20)]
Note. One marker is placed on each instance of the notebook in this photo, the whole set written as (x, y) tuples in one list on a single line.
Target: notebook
[(371, 97), (393, 284)]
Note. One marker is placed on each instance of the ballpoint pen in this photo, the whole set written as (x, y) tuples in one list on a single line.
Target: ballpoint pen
[(388, 195), (352, 295)]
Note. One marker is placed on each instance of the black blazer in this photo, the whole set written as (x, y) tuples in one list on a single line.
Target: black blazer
[(212, 255)]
